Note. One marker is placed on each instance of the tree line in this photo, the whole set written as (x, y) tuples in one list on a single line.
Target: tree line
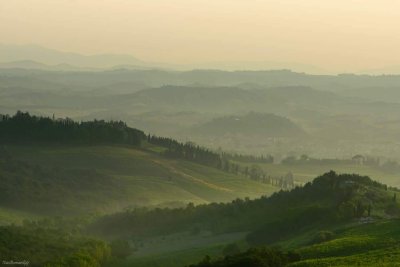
[(223, 161), (23, 127)]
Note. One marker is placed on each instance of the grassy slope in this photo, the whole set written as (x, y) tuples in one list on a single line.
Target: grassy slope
[(150, 179), (373, 244), (180, 249), (146, 178), (11, 216), (354, 244)]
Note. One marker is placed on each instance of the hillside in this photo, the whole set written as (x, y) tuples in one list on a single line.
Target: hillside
[(328, 198), (123, 198), (61, 167), (109, 178), (336, 220), (333, 208), (252, 124)]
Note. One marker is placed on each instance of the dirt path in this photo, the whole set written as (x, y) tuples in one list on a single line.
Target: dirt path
[(172, 169)]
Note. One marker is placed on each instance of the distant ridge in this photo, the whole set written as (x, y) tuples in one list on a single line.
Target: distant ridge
[(26, 53), (34, 65), (269, 125)]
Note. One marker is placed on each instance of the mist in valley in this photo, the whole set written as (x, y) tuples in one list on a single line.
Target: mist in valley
[(180, 134)]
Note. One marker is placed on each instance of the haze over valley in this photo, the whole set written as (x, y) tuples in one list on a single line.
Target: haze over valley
[(186, 134)]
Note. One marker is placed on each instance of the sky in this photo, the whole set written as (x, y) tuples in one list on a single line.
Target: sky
[(336, 36)]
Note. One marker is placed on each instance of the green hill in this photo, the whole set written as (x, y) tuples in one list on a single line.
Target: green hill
[(369, 244), (61, 167), (102, 194), (252, 124), (57, 179), (350, 217), (330, 198)]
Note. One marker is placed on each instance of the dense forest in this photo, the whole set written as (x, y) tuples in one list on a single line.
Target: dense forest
[(23, 127)]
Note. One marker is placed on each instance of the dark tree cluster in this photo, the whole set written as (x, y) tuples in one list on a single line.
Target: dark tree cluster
[(254, 257), (305, 159), (23, 127), (192, 152), (223, 161), (256, 173), (251, 158), (357, 159), (188, 151)]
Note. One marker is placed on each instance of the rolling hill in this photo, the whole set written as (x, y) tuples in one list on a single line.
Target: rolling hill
[(252, 124), (124, 198), (109, 178), (336, 220), (61, 167)]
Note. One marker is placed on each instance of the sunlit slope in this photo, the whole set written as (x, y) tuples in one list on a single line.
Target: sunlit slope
[(373, 244), (337, 220), (142, 177)]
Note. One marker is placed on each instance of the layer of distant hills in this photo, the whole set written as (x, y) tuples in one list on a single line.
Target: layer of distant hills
[(339, 115)]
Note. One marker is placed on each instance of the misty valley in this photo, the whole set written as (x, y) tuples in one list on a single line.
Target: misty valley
[(199, 133), (198, 168)]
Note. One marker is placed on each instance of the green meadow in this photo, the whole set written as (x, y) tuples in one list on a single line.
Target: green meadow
[(143, 176)]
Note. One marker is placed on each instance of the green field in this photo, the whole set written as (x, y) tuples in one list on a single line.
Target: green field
[(142, 177), (373, 244)]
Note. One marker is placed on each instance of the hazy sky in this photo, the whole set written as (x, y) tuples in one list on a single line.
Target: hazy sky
[(337, 35)]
